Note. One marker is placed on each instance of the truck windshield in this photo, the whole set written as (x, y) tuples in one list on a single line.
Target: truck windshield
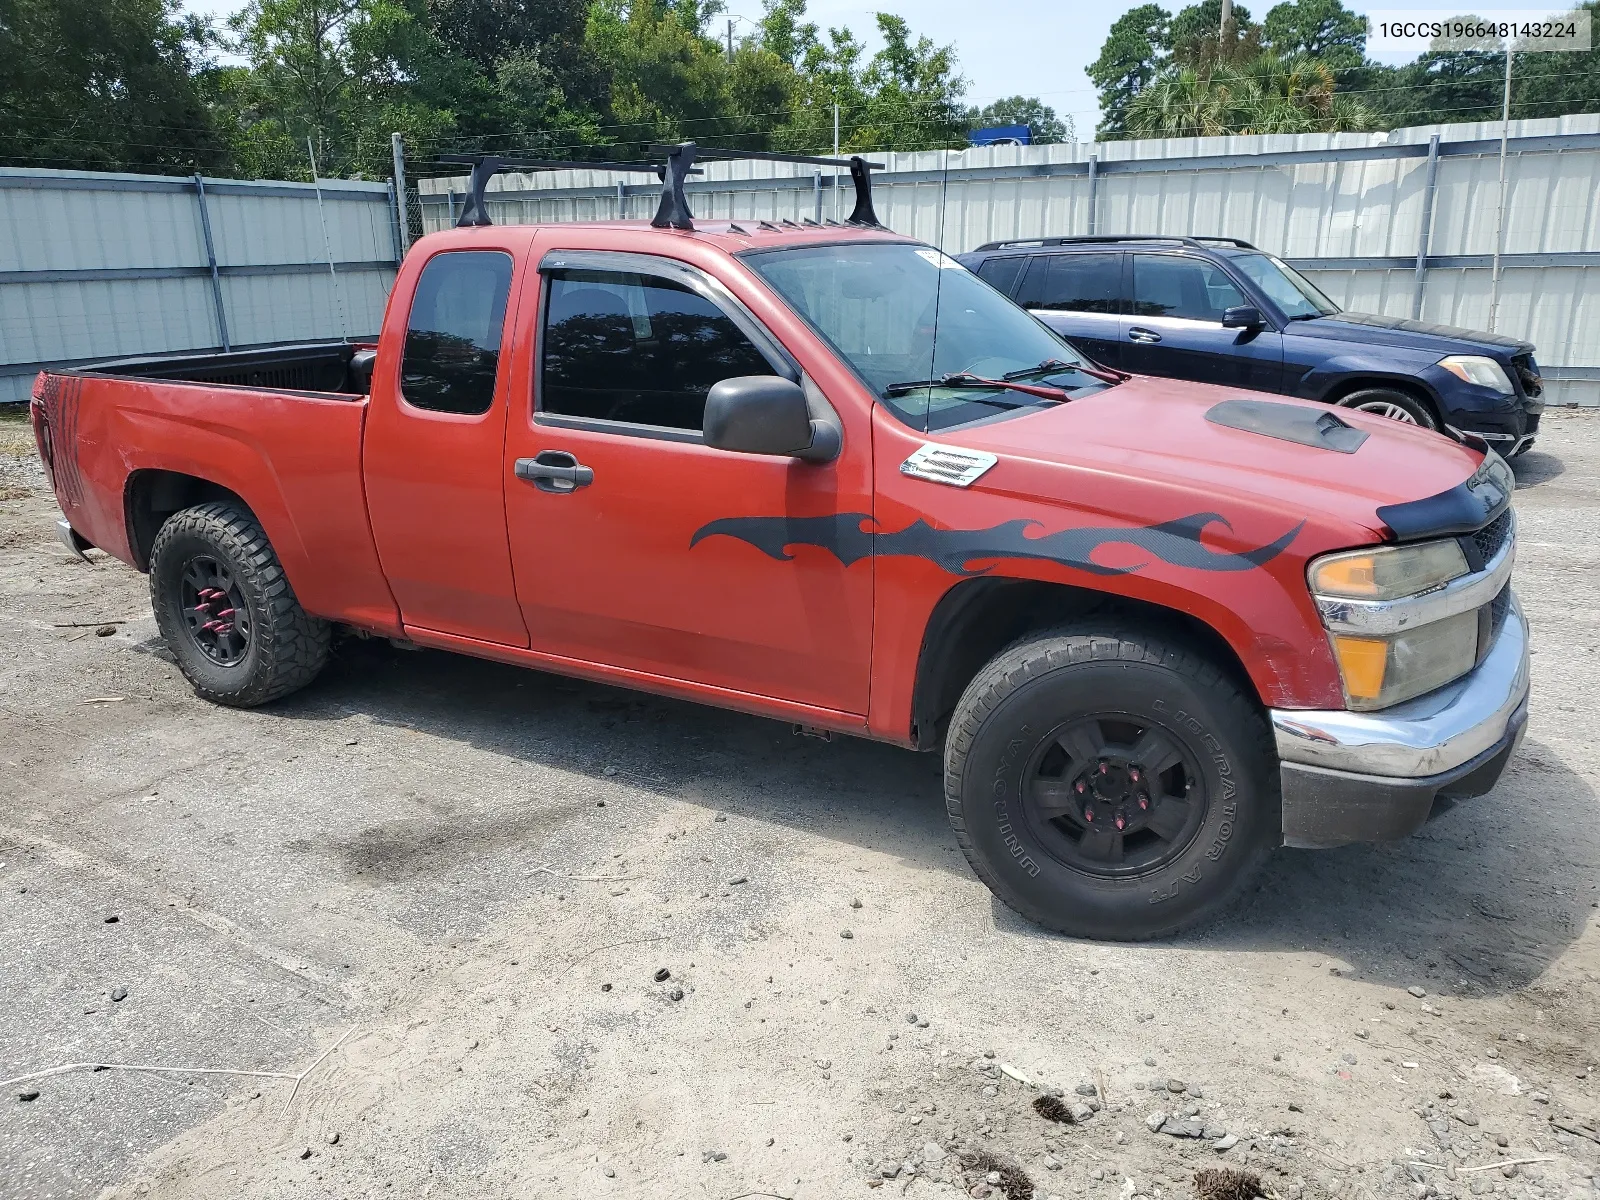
[(1291, 291), (897, 312)]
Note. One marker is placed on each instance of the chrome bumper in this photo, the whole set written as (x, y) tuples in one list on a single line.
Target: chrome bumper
[(70, 539), (1374, 776)]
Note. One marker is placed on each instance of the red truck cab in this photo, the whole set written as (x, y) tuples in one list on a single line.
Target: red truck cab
[(823, 474)]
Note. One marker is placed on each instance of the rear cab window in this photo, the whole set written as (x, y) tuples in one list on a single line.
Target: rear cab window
[(458, 313)]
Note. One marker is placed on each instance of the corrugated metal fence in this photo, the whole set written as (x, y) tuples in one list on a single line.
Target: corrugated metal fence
[(1400, 223), (98, 265)]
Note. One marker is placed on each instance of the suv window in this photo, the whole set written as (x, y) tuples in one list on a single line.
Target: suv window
[(621, 346), (1001, 273), (1089, 283), (452, 353), (1171, 285)]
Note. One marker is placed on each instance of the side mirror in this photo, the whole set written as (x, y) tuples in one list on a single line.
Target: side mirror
[(766, 414), (1245, 316)]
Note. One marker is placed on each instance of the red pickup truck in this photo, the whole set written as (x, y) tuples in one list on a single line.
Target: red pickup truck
[(823, 474)]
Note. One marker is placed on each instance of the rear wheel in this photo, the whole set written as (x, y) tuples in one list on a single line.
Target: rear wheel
[(1393, 405), (1110, 785), (226, 610)]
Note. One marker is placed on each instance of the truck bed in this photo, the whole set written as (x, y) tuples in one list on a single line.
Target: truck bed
[(278, 430), (326, 368)]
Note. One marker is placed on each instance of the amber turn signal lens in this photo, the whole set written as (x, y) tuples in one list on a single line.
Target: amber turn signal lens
[(1362, 662), (1355, 575)]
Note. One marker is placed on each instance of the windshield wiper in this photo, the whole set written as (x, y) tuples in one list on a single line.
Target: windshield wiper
[(962, 379), (1309, 316), (1105, 375)]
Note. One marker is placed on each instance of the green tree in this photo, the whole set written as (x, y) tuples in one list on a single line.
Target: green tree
[(913, 94), (1195, 36), (343, 74), (1264, 95), (1133, 55), (1024, 110), (105, 85), (1321, 29)]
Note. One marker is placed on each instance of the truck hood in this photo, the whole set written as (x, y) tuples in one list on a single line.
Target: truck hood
[(1374, 330), (1157, 430)]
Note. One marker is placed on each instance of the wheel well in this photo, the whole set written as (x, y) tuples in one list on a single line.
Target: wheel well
[(1415, 390), (978, 618), (153, 496)]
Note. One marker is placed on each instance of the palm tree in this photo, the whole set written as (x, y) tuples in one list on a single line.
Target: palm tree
[(1264, 94)]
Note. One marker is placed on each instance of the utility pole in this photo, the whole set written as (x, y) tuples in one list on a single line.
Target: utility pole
[(1223, 40), (730, 39), (836, 155), (399, 150), (1500, 213)]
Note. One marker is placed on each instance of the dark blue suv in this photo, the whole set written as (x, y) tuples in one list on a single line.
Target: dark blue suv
[(1217, 310)]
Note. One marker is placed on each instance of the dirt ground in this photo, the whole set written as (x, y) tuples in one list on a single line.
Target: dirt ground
[(430, 896)]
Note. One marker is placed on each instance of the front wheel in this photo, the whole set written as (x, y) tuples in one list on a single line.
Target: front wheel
[(226, 610), (1110, 785), (1392, 405)]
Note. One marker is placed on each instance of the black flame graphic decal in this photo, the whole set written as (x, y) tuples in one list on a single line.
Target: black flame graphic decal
[(849, 539)]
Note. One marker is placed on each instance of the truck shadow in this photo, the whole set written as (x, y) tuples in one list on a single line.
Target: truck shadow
[(1480, 901), (1535, 467), (1490, 892)]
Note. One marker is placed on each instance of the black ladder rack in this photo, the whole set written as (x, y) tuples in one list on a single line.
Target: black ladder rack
[(676, 166)]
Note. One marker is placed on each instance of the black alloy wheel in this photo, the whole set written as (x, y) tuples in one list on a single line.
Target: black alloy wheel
[(1114, 795), (215, 612)]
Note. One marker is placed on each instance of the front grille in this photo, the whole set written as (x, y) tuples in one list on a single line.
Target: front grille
[(1492, 537), (1498, 608), (1528, 375)]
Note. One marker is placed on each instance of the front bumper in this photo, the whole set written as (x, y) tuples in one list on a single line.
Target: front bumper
[(1371, 777)]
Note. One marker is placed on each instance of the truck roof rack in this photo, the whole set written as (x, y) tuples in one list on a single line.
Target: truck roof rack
[(486, 166), (674, 209), (676, 165), (1174, 239)]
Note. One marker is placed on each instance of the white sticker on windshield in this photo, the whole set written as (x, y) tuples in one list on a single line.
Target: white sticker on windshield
[(939, 259)]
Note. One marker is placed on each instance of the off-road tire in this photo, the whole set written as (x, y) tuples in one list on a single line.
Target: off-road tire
[(287, 647), (1375, 399), (1059, 675)]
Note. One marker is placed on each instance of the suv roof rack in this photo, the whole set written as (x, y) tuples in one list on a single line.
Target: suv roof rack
[(677, 165), (1197, 242)]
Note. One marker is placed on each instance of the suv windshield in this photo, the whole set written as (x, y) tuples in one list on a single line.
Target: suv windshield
[(1291, 291), (898, 312)]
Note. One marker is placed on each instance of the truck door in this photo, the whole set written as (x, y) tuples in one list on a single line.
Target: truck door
[(1175, 327), (436, 425), (1079, 295), (609, 483)]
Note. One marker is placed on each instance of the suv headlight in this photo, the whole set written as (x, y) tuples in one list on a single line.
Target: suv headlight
[(1479, 369), (1380, 671)]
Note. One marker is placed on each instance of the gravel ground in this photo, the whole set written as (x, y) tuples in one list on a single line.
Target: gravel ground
[(429, 900)]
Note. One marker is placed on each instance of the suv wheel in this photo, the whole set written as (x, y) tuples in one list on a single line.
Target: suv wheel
[(226, 610), (1109, 785), (1396, 406)]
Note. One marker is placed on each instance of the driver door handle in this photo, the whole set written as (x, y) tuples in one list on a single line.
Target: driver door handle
[(554, 471), (1139, 333)]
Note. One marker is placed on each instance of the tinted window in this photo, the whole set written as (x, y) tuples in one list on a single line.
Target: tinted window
[(1167, 285), (453, 340), (1079, 283), (637, 348), (1001, 273)]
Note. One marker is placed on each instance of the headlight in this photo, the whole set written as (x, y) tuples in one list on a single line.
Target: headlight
[(1387, 572), (1380, 671), (1478, 369)]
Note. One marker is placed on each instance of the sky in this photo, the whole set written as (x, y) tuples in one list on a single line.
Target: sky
[(1006, 47)]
